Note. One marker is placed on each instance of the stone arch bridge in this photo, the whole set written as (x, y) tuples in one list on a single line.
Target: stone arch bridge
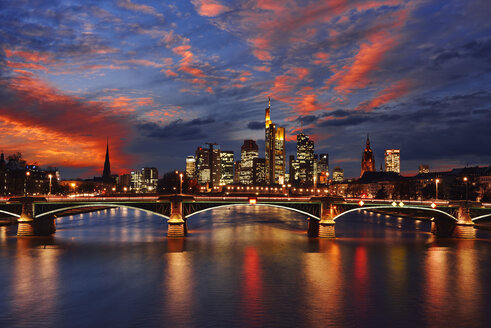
[(36, 215)]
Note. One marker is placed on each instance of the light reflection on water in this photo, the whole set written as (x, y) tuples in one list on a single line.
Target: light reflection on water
[(242, 267)]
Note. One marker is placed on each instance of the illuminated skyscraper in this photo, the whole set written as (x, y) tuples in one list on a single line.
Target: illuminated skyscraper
[(249, 151), (258, 171), (227, 167), (190, 167), (208, 164), (323, 169), (275, 150), (393, 160), (305, 157), (367, 160)]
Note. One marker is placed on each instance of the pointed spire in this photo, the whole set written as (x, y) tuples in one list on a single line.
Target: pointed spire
[(106, 174), (269, 101), (368, 141)]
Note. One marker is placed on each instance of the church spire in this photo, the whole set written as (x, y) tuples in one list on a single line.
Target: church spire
[(106, 174)]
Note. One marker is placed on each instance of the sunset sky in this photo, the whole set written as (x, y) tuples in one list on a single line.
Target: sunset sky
[(159, 78)]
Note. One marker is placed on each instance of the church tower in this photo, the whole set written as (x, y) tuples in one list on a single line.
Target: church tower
[(367, 159), (106, 174)]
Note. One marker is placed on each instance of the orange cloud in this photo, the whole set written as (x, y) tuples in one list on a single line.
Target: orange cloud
[(209, 8), (262, 68), (395, 91)]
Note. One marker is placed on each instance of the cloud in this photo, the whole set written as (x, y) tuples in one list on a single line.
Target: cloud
[(177, 130), (255, 125), (209, 8), (127, 4)]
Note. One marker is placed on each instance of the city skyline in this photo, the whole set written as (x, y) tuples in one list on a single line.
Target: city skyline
[(160, 79)]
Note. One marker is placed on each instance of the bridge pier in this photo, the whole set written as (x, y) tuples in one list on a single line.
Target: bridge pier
[(25, 224), (327, 225), (464, 228), (177, 225)]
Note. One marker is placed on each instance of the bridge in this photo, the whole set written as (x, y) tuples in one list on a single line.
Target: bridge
[(37, 215)]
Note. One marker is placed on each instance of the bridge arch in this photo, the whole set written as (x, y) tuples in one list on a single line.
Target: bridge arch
[(393, 207), (260, 204), (481, 217), (58, 210), (9, 213)]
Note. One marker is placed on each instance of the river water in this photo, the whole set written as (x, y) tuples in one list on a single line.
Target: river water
[(242, 267)]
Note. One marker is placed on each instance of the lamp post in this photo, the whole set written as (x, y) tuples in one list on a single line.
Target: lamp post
[(25, 183), (437, 181), (50, 176), (466, 191), (180, 183)]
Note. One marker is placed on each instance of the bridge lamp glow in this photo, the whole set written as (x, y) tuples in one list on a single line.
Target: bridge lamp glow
[(394, 204), (433, 205), (401, 204), (361, 203), (252, 201)]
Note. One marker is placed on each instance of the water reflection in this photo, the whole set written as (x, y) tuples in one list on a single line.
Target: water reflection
[(241, 267)]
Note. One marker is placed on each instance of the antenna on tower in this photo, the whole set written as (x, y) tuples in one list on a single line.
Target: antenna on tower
[(269, 101)]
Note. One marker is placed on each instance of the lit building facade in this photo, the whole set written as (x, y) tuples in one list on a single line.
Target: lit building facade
[(208, 168), (248, 152), (259, 171), (367, 159), (323, 169), (226, 167), (338, 174), (144, 180), (190, 167), (393, 160), (305, 157), (424, 168), (275, 150)]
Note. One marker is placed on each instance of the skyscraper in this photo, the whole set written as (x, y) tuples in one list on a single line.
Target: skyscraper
[(393, 160), (367, 159), (275, 150), (208, 164), (226, 167), (248, 152), (323, 169), (305, 157), (190, 167), (106, 173), (258, 171)]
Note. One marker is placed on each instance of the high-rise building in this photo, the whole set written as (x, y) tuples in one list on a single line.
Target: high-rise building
[(150, 178), (305, 157), (248, 152), (338, 174), (323, 169), (208, 164), (190, 167), (236, 171), (259, 171), (393, 160), (275, 150), (227, 167), (293, 170), (424, 168), (367, 160), (106, 173)]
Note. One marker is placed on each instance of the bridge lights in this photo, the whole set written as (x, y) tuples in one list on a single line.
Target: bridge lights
[(252, 201), (394, 204), (401, 204), (433, 205), (361, 203)]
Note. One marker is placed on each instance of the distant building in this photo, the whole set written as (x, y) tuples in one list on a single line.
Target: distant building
[(424, 168), (305, 157), (190, 167), (393, 160), (293, 170), (144, 180), (227, 167), (323, 169), (106, 173), (338, 174), (236, 172), (259, 171), (208, 164), (367, 160), (249, 151), (275, 150)]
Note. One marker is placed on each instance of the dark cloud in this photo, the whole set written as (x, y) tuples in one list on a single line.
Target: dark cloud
[(255, 125), (178, 130)]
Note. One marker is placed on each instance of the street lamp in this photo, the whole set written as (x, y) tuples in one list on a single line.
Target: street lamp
[(25, 183), (466, 191), (50, 176), (437, 181)]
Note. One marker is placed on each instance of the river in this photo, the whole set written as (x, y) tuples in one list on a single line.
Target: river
[(242, 266)]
